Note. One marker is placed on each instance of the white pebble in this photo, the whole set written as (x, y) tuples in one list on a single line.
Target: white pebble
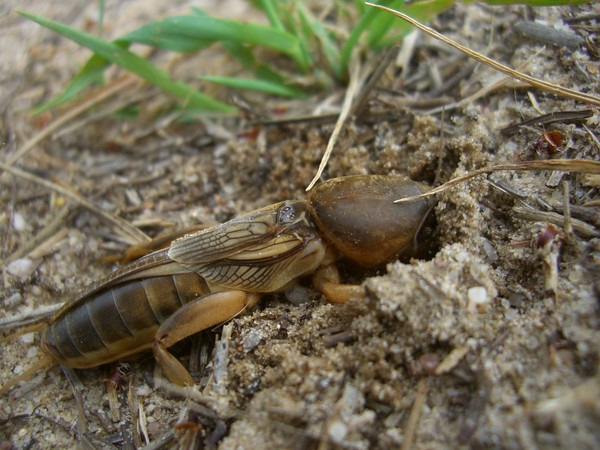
[(22, 268), (337, 431), (461, 256), (220, 360), (36, 291), (297, 294), (478, 299), (251, 340), (13, 300), (19, 223), (144, 390), (27, 338)]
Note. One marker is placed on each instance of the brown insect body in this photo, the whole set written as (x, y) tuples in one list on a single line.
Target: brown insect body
[(119, 316), (207, 277), (120, 320)]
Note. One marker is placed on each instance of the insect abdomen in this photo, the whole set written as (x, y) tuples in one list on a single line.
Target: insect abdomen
[(119, 321)]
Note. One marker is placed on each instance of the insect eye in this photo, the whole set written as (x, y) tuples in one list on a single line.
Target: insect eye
[(286, 214)]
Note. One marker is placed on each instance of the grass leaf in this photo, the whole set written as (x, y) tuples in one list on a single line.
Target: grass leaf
[(198, 30), (269, 87), (421, 11), (135, 64), (268, 7), (91, 73), (364, 24), (327, 45)]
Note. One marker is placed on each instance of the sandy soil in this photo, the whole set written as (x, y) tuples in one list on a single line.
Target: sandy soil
[(490, 341)]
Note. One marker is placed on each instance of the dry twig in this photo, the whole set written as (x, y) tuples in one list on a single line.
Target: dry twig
[(415, 414), (535, 82), (132, 233), (565, 165), (356, 81), (104, 93)]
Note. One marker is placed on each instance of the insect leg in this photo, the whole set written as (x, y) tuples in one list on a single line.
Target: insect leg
[(191, 318), (327, 281)]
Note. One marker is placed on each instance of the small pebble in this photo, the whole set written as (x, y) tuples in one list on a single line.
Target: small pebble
[(251, 341), (13, 300), (337, 431), (19, 223), (478, 299), (28, 338), (143, 391), (153, 428), (516, 299), (36, 290), (21, 268), (429, 362), (297, 294)]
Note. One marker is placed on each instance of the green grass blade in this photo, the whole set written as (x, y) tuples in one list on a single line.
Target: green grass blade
[(184, 30), (363, 26), (286, 16), (183, 35), (135, 64), (328, 47), (268, 7), (101, 11), (380, 26), (91, 73), (247, 59), (377, 26), (423, 11), (275, 82), (269, 87), (171, 34)]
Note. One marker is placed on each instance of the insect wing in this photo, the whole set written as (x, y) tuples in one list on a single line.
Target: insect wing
[(226, 240), (257, 252), (257, 268)]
